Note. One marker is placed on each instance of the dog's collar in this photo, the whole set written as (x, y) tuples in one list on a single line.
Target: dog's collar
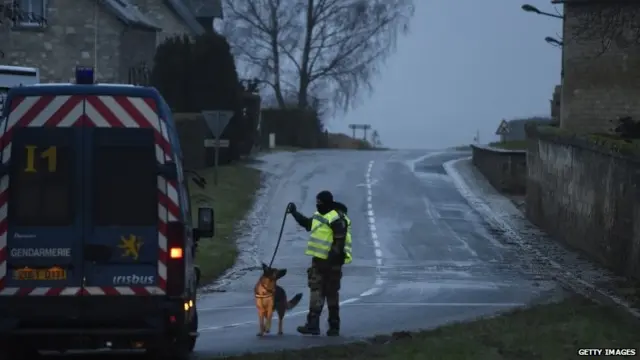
[(267, 295)]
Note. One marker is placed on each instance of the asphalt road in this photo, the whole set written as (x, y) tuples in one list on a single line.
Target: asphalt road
[(422, 256)]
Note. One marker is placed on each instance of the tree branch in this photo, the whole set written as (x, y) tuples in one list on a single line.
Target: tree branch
[(330, 49)]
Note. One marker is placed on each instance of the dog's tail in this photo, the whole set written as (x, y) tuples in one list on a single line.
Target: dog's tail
[(294, 301)]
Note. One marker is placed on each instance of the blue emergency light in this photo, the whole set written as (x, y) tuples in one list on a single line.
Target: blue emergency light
[(84, 75)]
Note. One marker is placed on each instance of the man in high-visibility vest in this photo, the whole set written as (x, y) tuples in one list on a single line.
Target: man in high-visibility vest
[(329, 246)]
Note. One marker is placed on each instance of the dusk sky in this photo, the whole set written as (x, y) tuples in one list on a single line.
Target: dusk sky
[(466, 65)]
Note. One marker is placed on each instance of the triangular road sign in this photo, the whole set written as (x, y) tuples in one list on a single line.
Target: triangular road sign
[(217, 120), (503, 128)]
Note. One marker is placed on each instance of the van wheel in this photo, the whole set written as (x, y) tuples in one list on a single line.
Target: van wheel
[(178, 350), (193, 328)]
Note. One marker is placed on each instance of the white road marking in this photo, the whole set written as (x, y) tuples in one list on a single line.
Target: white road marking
[(352, 302), (374, 234), (368, 184), (412, 163), (439, 304)]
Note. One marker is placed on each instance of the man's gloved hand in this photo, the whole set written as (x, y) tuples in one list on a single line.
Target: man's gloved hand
[(291, 208)]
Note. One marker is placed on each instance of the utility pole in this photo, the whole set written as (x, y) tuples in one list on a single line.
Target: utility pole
[(375, 138), (476, 138)]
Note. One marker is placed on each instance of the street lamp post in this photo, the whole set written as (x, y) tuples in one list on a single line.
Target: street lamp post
[(553, 41), (533, 9)]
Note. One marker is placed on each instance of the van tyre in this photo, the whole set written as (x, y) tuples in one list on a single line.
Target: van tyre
[(174, 349), (179, 348), (193, 329)]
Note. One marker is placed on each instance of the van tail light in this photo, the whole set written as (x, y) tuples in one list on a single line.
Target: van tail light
[(175, 253), (175, 262)]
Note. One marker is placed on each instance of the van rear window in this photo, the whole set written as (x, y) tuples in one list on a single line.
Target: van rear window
[(41, 185), (125, 185)]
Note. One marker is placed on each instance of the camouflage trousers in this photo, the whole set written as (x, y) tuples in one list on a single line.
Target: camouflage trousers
[(324, 286)]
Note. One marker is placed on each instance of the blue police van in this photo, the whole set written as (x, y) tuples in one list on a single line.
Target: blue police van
[(97, 244)]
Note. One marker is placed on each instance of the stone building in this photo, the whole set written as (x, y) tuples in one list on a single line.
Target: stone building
[(601, 63), (114, 36)]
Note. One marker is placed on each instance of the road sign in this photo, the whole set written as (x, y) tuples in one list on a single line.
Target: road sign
[(209, 143), (503, 128), (217, 120)]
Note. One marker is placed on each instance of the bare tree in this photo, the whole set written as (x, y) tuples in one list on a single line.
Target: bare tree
[(323, 51), (375, 139), (607, 23)]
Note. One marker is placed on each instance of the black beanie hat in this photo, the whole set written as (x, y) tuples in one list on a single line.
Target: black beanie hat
[(325, 197)]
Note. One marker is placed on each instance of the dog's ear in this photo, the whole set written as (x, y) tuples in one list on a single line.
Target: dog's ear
[(280, 273), (264, 267)]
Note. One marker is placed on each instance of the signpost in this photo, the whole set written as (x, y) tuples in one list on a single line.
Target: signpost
[(217, 121), (211, 143), (363, 127)]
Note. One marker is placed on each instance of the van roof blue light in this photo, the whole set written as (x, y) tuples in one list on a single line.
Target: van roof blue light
[(84, 75)]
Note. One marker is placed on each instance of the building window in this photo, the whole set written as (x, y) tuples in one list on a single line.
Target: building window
[(32, 13)]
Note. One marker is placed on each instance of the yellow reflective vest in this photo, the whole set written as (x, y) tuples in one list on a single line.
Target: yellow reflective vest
[(321, 237)]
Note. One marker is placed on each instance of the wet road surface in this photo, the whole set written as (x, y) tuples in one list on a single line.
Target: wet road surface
[(422, 256)]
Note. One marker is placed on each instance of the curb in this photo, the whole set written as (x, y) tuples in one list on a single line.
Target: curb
[(565, 279)]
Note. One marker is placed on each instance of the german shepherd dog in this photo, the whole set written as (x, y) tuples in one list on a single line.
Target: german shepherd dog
[(270, 297)]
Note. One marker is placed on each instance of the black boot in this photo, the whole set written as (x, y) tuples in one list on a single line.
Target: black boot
[(334, 322), (312, 327)]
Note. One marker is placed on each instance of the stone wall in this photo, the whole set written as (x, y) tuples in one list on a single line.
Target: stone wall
[(586, 197), (67, 40), (600, 83), (506, 170)]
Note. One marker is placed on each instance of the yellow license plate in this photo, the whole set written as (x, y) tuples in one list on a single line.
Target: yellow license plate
[(40, 274)]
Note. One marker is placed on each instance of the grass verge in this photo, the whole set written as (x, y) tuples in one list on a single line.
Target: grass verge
[(552, 331), (344, 141), (511, 145), (231, 200)]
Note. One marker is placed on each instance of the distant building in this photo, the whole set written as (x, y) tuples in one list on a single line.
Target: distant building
[(517, 128), (115, 36)]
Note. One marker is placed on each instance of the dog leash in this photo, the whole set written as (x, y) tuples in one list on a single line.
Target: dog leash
[(284, 220)]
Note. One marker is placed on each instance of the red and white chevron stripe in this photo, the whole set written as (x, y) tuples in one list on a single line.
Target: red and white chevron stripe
[(91, 111), (89, 290)]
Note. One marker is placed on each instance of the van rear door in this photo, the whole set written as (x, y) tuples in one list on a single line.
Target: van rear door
[(40, 217), (127, 196), (121, 232)]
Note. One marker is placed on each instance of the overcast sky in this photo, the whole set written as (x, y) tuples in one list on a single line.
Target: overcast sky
[(465, 65)]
